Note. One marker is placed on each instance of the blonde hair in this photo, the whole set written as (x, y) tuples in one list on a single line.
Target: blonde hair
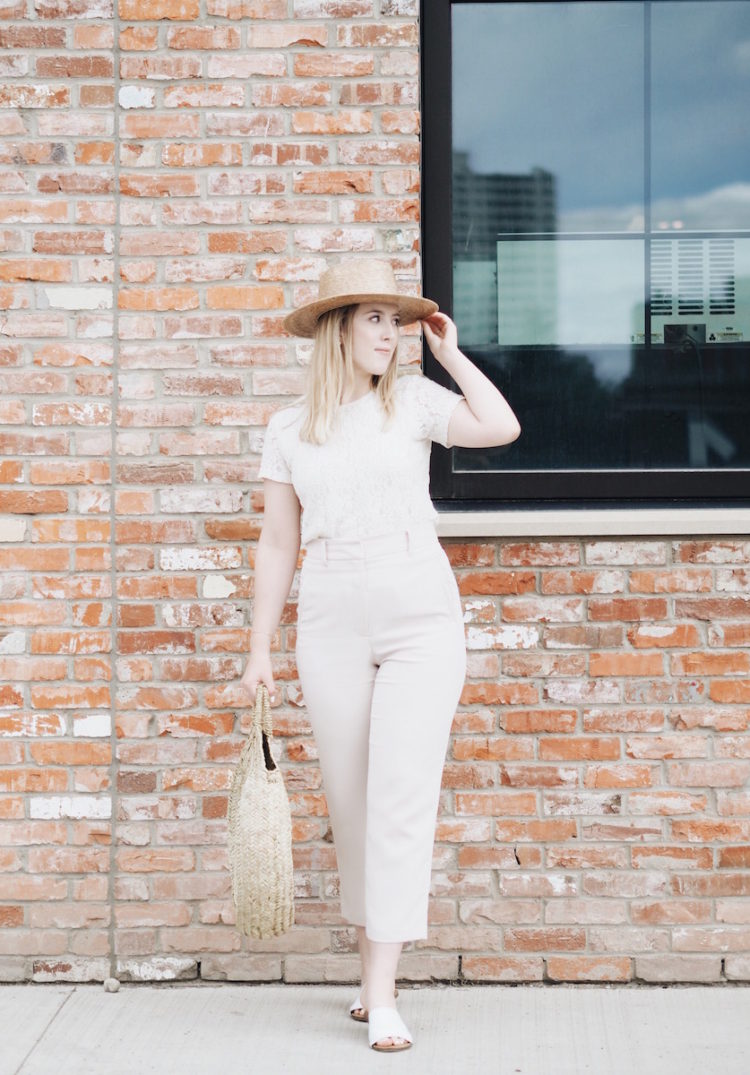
[(331, 370)]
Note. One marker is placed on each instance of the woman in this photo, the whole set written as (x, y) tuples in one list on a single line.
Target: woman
[(380, 650)]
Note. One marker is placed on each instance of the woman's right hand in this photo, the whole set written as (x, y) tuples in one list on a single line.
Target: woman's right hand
[(258, 670)]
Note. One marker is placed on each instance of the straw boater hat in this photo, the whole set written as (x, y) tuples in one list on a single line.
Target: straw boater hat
[(355, 281)]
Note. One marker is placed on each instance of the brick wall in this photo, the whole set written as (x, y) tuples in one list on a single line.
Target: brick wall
[(175, 177)]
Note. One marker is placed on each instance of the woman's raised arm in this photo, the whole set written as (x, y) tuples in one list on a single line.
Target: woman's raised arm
[(484, 419)]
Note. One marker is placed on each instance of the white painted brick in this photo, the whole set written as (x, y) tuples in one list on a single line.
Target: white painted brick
[(12, 528), (197, 559), (626, 552), (78, 806), (93, 725), (93, 501), (136, 385), (582, 690), (79, 298), (38, 724), (67, 968), (94, 442), (157, 969), (502, 637), (96, 328), (656, 630), (200, 500), (13, 642), (136, 97), (218, 586)]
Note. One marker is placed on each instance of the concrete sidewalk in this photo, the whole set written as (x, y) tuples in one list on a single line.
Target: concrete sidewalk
[(227, 1029)]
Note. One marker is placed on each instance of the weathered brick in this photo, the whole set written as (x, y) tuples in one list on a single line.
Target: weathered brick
[(589, 969), (594, 819)]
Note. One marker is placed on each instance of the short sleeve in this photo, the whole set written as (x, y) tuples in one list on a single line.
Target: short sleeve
[(433, 405), (273, 464)]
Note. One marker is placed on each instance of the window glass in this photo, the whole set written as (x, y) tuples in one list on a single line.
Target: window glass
[(600, 216)]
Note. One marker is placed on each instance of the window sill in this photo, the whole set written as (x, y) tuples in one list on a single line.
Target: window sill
[(666, 522)]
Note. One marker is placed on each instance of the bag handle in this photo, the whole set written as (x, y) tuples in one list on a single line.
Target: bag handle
[(262, 716)]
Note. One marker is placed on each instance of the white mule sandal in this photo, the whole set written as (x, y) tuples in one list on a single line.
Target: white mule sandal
[(357, 1009), (387, 1023)]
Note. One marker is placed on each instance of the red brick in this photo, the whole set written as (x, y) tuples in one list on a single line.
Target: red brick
[(583, 636), (372, 35), (735, 858), (495, 803), (333, 181), (670, 636), (676, 581), (500, 694), (536, 831), (628, 608), (626, 664), (213, 38), (334, 9), (582, 582), (27, 503), (708, 774), (11, 916), (539, 720), (672, 911), (667, 802), (540, 554), (547, 939), (589, 968), (709, 664), (501, 969), (579, 748), (599, 752), (730, 690), (675, 857), (497, 582), (332, 65), (32, 780), (712, 552), (620, 776), (713, 608), (576, 858)]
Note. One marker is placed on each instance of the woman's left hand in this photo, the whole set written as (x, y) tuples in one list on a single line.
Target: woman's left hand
[(441, 335)]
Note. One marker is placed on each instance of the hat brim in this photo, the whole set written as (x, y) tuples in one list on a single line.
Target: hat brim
[(303, 321)]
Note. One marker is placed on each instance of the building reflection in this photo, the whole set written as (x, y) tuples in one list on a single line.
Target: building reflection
[(485, 205), (678, 400)]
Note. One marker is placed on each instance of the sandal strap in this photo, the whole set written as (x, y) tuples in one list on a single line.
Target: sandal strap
[(386, 1023), (357, 1005)]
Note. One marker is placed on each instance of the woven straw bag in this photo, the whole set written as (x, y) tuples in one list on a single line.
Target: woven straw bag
[(260, 834)]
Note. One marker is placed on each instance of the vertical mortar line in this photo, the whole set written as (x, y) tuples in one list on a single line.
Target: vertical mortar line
[(113, 766)]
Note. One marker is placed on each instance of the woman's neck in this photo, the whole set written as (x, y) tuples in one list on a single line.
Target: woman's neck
[(357, 392)]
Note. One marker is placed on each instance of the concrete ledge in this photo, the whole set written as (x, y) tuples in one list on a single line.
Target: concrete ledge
[(614, 522)]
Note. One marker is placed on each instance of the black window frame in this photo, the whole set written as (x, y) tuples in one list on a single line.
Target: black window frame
[(455, 490)]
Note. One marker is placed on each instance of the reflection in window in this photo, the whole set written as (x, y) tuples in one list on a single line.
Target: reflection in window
[(601, 228), (569, 290)]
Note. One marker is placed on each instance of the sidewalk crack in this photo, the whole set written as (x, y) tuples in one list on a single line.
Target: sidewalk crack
[(43, 1034)]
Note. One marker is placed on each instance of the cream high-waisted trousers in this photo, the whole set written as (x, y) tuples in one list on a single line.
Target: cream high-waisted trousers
[(381, 658)]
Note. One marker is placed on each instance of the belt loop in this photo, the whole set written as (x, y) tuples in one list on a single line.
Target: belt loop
[(407, 541), (325, 551)]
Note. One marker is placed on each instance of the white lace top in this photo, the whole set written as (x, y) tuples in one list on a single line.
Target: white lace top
[(367, 479)]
